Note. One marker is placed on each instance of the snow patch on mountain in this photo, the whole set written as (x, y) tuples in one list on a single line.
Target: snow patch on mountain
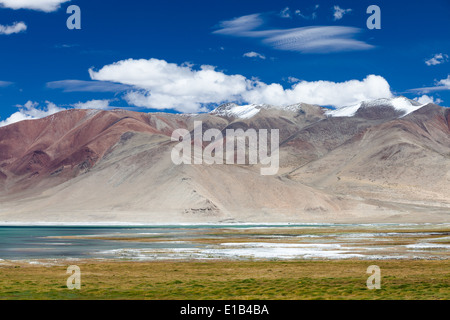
[(234, 110), (401, 104), (250, 110)]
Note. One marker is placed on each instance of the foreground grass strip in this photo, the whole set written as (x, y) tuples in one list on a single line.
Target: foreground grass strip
[(293, 280)]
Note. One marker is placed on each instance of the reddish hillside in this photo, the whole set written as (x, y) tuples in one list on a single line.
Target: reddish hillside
[(64, 144)]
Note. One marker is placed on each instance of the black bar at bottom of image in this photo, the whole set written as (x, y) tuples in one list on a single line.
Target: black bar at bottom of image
[(195, 309)]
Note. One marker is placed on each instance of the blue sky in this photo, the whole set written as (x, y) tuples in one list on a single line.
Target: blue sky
[(189, 56)]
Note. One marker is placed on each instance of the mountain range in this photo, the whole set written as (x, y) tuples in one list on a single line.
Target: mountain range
[(386, 160)]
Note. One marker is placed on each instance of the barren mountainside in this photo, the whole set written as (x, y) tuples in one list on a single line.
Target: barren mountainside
[(382, 161)]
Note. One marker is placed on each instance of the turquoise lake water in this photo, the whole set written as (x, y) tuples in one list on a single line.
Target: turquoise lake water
[(179, 242), (43, 242)]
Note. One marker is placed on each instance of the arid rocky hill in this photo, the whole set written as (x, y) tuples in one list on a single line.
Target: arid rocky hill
[(380, 161)]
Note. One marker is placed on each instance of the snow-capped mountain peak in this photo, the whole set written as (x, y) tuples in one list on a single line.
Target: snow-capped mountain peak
[(400, 104), (250, 110), (234, 110)]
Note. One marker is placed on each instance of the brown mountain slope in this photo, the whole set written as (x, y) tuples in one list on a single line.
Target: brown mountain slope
[(49, 151), (115, 166), (406, 159)]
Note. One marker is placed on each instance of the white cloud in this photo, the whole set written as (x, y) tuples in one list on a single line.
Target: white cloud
[(313, 39), (304, 16), (441, 85), (5, 83), (87, 86), (16, 27), (181, 87), (285, 13), (339, 13), (438, 58), (324, 39), (445, 82), (172, 86), (253, 54), (65, 46), (292, 80), (313, 15), (94, 104), (241, 26), (338, 94), (427, 99), (39, 5), (31, 110)]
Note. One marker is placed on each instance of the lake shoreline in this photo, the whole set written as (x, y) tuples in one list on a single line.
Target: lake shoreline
[(227, 242)]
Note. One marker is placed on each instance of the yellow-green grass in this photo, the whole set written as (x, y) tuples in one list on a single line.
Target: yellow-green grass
[(293, 280)]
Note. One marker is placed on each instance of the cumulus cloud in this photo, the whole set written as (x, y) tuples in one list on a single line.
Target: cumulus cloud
[(253, 54), (94, 104), (164, 85), (338, 13), (337, 94), (172, 86), (313, 39), (31, 110), (39, 5), (440, 85), (16, 27), (427, 99), (438, 58)]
